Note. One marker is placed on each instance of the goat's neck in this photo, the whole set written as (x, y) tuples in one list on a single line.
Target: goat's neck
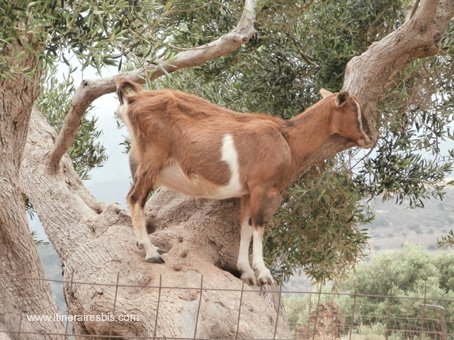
[(307, 133)]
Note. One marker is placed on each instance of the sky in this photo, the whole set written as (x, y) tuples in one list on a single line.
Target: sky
[(110, 182)]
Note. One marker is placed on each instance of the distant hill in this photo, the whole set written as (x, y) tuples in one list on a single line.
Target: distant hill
[(396, 224)]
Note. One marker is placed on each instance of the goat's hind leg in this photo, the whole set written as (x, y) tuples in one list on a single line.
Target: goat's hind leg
[(137, 198), (247, 274), (263, 204)]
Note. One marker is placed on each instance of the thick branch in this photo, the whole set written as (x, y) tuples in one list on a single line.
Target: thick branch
[(413, 9), (367, 75), (426, 11), (90, 90)]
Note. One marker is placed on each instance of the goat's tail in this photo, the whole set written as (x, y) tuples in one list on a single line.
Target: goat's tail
[(125, 88)]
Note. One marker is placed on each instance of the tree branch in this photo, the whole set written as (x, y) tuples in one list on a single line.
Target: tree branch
[(413, 9), (367, 75), (89, 90), (426, 11)]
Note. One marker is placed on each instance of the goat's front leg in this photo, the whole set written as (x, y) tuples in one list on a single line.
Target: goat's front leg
[(263, 273), (262, 203), (137, 198)]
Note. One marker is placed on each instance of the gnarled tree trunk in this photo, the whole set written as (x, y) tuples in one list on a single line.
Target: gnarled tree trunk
[(18, 256)]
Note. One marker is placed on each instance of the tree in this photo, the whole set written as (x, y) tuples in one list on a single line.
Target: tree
[(411, 273), (54, 101), (199, 236)]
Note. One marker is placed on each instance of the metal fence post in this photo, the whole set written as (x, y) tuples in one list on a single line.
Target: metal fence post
[(70, 289), (442, 321), (388, 313), (278, 310), (353, 313), (157, 308), (198, 309), (317, 311), (423, 328), (239, 311), (115, 300), (20, 319)]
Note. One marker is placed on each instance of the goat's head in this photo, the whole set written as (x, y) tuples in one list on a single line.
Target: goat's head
[(347, 117)]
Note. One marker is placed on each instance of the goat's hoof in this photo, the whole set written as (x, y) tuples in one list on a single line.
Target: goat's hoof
[(139, 245), (249, 278), (265, 278), (154, 259)]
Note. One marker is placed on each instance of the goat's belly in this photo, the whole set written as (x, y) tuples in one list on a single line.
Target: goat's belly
[(174, 178)]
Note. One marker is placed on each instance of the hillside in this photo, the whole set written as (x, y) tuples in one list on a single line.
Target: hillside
[(396, 224)]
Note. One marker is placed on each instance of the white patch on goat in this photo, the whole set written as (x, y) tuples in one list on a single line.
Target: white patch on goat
[(229, 155), (360, 120), (173, 177)]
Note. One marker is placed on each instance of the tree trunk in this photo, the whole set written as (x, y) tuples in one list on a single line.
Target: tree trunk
[(19, 298)]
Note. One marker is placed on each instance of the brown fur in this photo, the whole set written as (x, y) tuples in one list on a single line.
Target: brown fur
[(175, 128)]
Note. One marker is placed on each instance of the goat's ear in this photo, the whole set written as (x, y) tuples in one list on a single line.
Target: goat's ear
[(125, 87), (341, 98), (325, 93)]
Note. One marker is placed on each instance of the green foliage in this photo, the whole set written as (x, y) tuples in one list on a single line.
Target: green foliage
[(409, 273), (417, 118), (317, 228), (98, 33), (54, 102), (334, 32), (403, 272), (396, 286), (447, 240)]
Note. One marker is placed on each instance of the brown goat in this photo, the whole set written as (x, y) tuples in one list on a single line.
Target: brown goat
[(187, 144)]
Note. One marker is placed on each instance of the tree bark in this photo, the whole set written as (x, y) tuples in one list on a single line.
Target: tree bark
[(18, 255)]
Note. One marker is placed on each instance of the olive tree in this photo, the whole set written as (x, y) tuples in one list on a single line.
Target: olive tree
[(200, 237)]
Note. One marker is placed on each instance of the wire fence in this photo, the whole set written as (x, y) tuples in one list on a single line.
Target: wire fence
[(309, 314)]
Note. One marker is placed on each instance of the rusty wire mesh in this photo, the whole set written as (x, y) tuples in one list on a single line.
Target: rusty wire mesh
[(316, 315)]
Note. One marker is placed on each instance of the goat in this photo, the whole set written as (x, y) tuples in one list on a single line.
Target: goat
[(189, 145)]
